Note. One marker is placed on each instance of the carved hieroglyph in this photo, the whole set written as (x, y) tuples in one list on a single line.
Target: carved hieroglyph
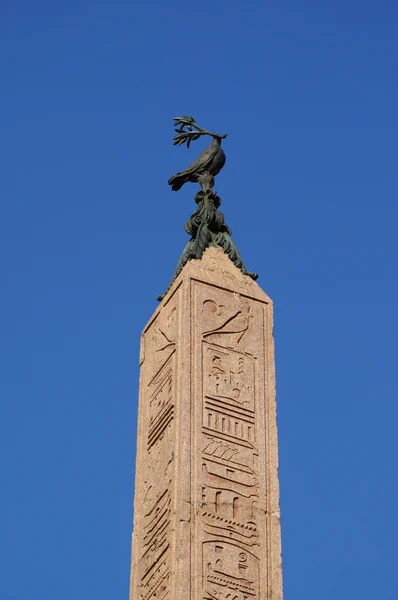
[(206, 520)]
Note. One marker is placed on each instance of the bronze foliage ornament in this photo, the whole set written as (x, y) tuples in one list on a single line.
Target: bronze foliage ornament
[(206, 225)]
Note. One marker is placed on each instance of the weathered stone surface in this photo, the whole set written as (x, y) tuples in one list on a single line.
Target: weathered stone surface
[(206, 522)]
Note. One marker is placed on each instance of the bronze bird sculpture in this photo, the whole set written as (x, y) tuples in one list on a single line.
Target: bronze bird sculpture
[(206, 225), (210, 161)]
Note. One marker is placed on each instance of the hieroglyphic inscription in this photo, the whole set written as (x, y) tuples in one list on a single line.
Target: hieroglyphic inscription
[(229, 393), (230, 330), (156, 549), (161, 407), (229, 573), (157, 463), (229, 491), (230, 483), (162, 338)]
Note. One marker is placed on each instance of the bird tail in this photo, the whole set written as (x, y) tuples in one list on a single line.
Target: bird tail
[(177, 181)]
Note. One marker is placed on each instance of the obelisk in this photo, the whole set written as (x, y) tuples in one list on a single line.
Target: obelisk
[(206, 511)]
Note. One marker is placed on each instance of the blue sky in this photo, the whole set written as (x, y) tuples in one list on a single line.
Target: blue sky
[(90, 235)]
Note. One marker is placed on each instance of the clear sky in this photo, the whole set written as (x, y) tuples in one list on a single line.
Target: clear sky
[(90, 235)]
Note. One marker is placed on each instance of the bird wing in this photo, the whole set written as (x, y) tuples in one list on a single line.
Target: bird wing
[(203, 161)]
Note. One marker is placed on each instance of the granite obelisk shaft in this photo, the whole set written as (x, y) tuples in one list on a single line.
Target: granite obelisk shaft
[(206, 516)]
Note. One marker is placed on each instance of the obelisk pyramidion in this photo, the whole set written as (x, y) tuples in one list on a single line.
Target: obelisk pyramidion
[(206, 511)]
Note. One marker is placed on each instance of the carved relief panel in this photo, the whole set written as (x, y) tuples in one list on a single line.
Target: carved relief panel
[(229, 572), (230, 445), (157, 412)]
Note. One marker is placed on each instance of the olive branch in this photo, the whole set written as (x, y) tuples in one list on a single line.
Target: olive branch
[(192, 132)]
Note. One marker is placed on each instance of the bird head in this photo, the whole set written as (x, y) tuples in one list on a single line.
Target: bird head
[(218, 137)]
